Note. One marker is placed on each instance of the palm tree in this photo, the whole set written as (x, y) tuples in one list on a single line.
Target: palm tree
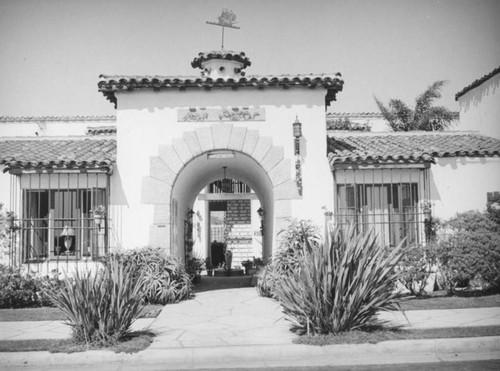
[(425, 116)]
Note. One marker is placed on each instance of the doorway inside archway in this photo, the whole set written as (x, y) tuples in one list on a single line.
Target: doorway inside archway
[(227, 219)]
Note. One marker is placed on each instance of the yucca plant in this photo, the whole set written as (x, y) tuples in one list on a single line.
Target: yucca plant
[(342, 286), (100, 306)]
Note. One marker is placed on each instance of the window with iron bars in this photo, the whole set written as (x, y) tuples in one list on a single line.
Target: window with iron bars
[(60, 217), (384, 200)]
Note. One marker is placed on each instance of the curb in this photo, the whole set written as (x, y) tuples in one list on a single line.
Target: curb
[(286, 355)]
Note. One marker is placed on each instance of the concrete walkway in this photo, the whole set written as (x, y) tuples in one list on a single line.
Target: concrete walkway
[(226, 327)]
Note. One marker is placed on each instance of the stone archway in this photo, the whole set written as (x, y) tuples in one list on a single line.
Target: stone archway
[(174, 161)]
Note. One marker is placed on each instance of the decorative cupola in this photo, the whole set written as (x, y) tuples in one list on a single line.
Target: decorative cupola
[(221, 64)]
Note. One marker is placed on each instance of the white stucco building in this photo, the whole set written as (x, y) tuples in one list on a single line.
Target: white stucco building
[(480, 105), (186, 155)]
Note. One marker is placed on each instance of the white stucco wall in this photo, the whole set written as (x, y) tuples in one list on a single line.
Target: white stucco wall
[(480, 108), (147, 120), (49, 128), (460, 184), (5, 189)]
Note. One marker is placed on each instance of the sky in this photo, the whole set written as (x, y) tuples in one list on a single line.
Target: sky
[(53, 51)]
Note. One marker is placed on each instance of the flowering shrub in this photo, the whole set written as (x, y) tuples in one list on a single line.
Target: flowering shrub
[(19, 289), (416, 267), (493, 212), (469, 247)]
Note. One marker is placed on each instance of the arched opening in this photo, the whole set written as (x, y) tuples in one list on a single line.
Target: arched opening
[(206, 168)]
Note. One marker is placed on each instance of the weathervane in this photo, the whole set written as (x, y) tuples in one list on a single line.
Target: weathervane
[(226, 19)]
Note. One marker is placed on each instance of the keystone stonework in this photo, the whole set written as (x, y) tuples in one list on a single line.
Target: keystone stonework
[(171, 159)]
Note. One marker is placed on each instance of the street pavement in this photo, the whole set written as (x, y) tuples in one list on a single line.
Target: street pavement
[(236, 328)]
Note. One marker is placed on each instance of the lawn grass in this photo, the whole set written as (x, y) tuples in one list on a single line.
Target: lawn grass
[(55, 314), (133, 343), (451, 302), (376, 336)]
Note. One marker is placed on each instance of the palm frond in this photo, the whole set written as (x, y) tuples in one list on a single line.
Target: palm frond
[(437, 119), (386, 113), (404, 115), (425, 100)]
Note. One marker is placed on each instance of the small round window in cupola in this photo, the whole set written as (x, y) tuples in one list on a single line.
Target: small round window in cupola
[(222, 68)]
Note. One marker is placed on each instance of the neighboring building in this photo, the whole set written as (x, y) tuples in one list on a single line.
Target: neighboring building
[(364, 121), (480, 105), (224, 156)]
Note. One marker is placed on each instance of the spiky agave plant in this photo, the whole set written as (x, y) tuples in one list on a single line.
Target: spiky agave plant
[(342, 286), (100, 306)]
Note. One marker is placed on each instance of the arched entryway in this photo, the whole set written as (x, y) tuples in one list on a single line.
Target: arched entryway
[(187, 165), (207, 168)]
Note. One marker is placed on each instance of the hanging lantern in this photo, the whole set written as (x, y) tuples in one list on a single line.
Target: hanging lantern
[(297, 133), (297, 128), (226, 184)]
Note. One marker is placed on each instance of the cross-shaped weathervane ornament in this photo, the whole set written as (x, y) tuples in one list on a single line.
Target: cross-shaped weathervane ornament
[(226, 19)]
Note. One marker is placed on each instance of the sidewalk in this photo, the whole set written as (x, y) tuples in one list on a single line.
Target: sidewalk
[(237, 328)]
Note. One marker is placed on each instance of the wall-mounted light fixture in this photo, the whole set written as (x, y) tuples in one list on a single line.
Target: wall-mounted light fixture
[(297, 133), (261, 213)]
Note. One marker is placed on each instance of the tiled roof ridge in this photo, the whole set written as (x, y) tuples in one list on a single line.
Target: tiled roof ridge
[(405, 133), (55, 138), (57, 118), (101, 130), (330, 114), (221, 54), (103, 76), (477, 82)]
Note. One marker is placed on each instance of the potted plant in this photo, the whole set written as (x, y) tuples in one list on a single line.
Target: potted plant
[(248, 265), (194, 267), (209, 267)]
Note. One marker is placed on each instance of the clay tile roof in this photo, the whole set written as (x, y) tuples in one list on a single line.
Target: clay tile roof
[(109, 84), (477, 82), (408, 147), (352, 114), (227, 54), (101, 130), (45, 153)]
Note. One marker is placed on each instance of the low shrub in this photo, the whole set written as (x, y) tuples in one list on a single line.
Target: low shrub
[(287, 255), (493, 213), (19, 289), (416, 267), (165, 277), (469, 248), (101, 306), (341, 286)]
